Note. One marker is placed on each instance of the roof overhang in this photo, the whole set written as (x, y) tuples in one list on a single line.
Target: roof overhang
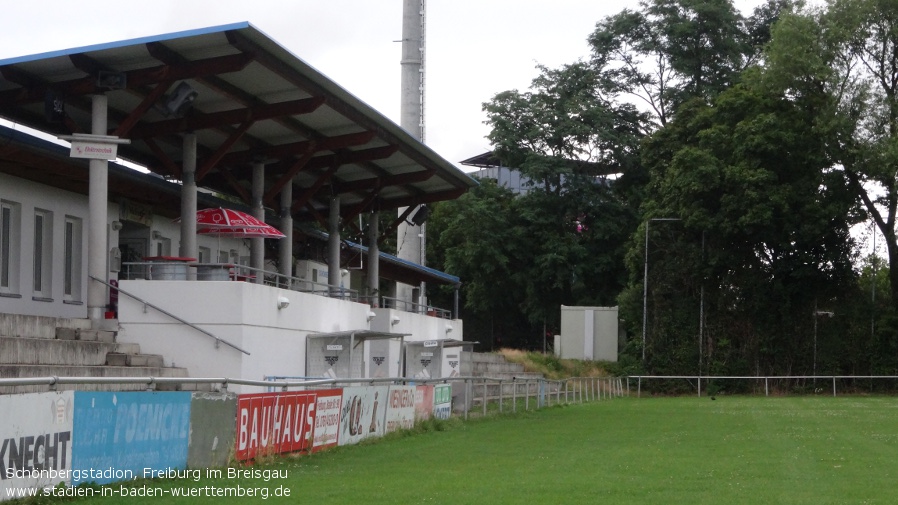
[(255, 103)]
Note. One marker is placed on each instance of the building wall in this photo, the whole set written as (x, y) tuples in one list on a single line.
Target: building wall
[(242, 313), (26, 198)]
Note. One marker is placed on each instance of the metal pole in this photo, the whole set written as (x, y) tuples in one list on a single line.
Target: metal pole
[(257, 252), (514, 396), (484, 397), (645, 288), (468, 396)]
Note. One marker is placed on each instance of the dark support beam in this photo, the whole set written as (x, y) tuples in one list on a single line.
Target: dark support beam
[(125, 126), (307, 195), (317, 215), (394, 180), (197, 121), (173, 168), (210, 162), (298, 148), (395, 224), (135, 78), (288, 176), (235, 185)]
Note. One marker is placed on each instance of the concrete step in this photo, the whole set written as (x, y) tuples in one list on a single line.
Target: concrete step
[(42, 351), (22, 371), (88, 335), (17, 325), (123, 359), (482, 368)]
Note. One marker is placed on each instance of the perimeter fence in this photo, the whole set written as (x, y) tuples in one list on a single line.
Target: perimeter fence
[(763, 385)]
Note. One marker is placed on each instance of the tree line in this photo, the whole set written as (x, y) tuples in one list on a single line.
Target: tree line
[(703, 170)]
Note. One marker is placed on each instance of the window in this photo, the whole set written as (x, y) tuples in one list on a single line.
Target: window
[(9, 247), (72, 261), (205, 255), (43, 253)]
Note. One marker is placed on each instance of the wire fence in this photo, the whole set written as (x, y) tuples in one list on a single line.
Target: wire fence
[(766, 385)]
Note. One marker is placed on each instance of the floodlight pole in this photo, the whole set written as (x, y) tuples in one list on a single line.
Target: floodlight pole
[(645, 278)]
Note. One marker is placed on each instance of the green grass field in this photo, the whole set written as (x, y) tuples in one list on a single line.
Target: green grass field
[(797, 450)]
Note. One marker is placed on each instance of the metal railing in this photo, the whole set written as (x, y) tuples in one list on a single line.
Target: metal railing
[(169, 314), (495, 393), (176, 270), (406, 306), (818, 383)]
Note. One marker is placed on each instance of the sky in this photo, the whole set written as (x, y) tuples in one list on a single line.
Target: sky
[(474, 48)]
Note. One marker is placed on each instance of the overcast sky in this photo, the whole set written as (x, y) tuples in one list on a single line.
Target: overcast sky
[(475, 48)]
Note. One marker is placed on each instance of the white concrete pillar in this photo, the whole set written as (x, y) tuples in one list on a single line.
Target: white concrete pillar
[(187, 248), (333, 244), (98, 213), (257, 252), (285, 247), (373, 259)]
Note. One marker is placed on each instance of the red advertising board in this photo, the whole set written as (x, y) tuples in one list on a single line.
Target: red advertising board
[(274, 422)]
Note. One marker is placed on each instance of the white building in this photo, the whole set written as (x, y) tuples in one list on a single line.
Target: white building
[(244, 124)]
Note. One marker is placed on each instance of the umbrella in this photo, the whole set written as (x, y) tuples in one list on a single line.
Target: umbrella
[(225, 218), (263, 231), (259, 230)]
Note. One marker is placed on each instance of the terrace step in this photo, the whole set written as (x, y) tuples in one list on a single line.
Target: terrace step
[(140, 360), (18, 325)]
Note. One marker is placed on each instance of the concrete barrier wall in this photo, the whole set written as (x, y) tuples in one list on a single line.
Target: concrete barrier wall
[(212, 428)]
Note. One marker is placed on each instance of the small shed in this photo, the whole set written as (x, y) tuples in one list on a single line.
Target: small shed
[(351, 354), (589, 333), (434, 359)]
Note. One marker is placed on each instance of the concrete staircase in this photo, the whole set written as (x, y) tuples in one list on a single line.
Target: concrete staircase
[(482, 364), (37, 346)]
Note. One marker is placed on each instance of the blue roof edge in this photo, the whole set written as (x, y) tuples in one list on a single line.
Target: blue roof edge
[(128, 42)]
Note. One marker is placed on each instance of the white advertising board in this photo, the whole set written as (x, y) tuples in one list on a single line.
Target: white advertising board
[(327, 418), (35, 441), (362, 413), (400, 408)]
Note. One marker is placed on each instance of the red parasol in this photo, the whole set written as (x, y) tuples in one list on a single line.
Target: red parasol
[(226, 218), (263, 231)]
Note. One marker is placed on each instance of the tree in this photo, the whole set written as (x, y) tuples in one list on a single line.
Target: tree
[(842, 63), (674, 50), (767, 225)]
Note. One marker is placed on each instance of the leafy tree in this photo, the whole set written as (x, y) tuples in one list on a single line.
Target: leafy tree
[(842, 63), (673, 50), (746, 176)]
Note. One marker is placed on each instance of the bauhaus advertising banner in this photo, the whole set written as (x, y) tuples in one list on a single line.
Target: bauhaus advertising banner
[(269, 423)]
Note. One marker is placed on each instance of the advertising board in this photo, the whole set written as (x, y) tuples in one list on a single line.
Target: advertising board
[(362, 413), (400, 413), (327, 418), (442, 401), (119, 436), (423, 402), (274, 423), (35, 441)]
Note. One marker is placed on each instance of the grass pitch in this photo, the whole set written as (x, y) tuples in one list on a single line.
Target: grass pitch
[(736, 450)]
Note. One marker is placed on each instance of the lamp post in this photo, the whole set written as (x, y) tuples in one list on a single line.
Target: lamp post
[(645, 278), (818, 313)]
